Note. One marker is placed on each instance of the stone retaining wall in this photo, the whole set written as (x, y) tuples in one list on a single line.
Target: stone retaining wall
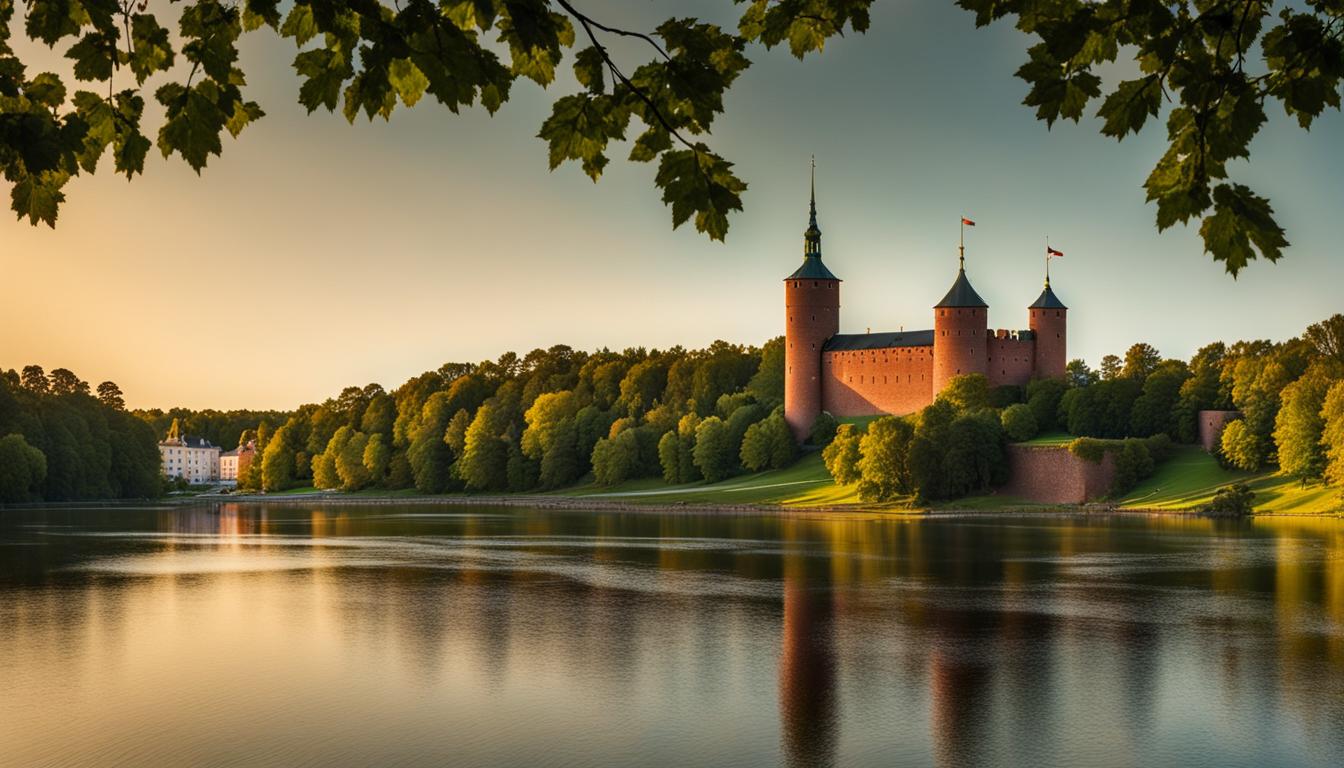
[(1053, 475)]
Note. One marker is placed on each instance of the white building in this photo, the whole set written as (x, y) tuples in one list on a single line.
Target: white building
[(193, 458)]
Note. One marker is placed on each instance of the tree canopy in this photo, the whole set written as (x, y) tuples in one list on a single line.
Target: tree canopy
[(367, 57)]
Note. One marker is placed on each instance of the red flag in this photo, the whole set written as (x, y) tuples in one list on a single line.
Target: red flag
[(1052, 252), (967, 222)]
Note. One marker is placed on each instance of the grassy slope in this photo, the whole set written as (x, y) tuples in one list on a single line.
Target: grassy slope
[(806, 484), (1191, 477)]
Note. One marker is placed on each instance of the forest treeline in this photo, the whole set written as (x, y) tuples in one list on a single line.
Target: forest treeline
[(556, 416), (537, 421), (61, 440), (1289, 395)]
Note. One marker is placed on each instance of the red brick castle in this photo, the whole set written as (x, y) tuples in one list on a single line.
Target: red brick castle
[(863, 374)]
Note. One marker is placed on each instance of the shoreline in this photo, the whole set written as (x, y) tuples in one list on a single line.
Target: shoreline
[(546, 502)]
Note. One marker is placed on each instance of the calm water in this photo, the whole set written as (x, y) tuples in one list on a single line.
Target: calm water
[(441, 636)]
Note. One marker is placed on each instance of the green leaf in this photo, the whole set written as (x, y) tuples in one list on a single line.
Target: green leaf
[(151, 50), (213, 31), (580, 127), (39, 197), (46, 89), (94, 56), (590, 69), (1242, 224), (299, 24), (244, 114), (50, 20), (804, 24), (534, 37), (325, 72), (408, 81), (650, 143), (259, 13), (101, 127), (1130, 105), (700, 183), (1056, 91), (194, 122)]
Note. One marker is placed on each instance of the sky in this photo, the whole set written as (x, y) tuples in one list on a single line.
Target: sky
[(314, 254)]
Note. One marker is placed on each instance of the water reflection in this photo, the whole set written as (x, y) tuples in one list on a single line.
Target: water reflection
[(422, 635)]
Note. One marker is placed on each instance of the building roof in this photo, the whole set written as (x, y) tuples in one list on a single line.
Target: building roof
[(961, 294), (1047, 300), (812, 269), (848, 342), (188, 442)]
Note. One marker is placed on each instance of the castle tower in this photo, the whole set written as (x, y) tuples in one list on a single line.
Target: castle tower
[(960, 329), (1048, 319), (811, 316)]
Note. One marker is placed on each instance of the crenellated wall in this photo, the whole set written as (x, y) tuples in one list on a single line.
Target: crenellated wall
[(1010, 359), (896, 380)]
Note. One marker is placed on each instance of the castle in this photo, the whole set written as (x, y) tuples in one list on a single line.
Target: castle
[(865, 374)]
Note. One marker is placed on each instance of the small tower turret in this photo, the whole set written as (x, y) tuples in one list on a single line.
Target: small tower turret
[(1048, 321), (811, 316), (960, 328)]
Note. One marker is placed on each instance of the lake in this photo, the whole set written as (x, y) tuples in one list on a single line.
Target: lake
[(425, 635)]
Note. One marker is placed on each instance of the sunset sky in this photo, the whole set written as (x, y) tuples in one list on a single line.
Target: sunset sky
[(314, 255)]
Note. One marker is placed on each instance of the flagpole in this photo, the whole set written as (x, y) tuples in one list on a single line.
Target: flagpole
[(1047, 261), (961, 246)]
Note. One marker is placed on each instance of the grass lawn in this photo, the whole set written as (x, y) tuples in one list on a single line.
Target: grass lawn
[(806, 483), (1051, 438), (1191, 477)]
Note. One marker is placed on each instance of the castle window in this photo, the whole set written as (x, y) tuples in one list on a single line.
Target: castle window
[(814, 283), (1056, 313), (814, 318)]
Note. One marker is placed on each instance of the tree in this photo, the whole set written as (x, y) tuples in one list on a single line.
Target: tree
[(65, 382), (1241, 447), (1195, 56), (1077, 374), (34, 379), (1155, 409), (884, 468), (767, 385), (1332, 434), (277, 462), (616, 459), (1019, 422), (23, 469), (561, 465), (109, 394), (1300, 425), (485, 457), (350, 461), (1257, 386), (377, 456), (841, 456), (669, 457), (967, 392), (1043, 396), (1140, 361), (1110, 367), (324, 472), (1327, 337), (714, 450)]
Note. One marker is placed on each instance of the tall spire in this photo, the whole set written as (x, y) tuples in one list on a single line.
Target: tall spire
[(812, 237)]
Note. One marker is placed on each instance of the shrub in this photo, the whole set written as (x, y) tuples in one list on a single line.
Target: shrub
[(1234, 500), (1088, 448), (823, 430), (1019, 422), (1005, 395), (1132, 464)]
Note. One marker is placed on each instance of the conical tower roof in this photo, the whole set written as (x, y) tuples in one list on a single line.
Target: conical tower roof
[(961, 294), (1047, 299)]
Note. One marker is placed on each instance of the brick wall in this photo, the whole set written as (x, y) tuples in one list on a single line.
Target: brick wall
[(1211, 425), (960, 335), (1052, 475), (869, 382), (1010, 359)]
